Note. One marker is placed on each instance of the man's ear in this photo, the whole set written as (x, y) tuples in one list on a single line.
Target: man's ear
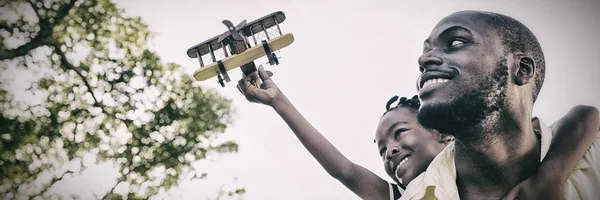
[(525, 70)]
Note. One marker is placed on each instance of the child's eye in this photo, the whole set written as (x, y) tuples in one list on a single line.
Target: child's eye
[(398, 133)]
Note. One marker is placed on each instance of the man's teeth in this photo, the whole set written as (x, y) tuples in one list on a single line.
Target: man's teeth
[(436, 80)]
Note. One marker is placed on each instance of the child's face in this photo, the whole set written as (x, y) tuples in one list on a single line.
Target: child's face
[(405, 147)]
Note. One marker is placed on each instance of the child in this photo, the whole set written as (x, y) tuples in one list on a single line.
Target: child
[(407, 148)]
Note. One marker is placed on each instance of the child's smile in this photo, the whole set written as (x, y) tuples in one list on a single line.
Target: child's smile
[(405, 146)]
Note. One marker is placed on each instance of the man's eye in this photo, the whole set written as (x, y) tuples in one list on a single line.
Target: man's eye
[(456, 43)]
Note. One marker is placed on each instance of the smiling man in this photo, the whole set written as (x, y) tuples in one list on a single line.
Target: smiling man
[(482, 73)]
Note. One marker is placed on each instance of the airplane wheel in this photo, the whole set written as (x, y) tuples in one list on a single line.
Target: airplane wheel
[(275, 58), (221, 80)]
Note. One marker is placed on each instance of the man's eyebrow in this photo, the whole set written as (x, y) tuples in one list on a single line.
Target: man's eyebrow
[(454, 28), (449, 30)]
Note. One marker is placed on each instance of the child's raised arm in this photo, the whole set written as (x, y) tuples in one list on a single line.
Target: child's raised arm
[(361, 181), (573, 134)]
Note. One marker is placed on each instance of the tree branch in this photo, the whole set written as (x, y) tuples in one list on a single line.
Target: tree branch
[(66, 64), (36, 9), (38, 41), (44, 37), (119, 181), (52, 182), (63, 11)]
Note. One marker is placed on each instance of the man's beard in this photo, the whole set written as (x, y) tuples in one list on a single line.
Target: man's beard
[(468, 112)]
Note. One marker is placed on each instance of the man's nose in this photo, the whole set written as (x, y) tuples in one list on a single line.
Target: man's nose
[(429, 59), (391, 152)]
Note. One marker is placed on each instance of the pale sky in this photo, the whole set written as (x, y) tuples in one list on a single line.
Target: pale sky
[(348, 58)]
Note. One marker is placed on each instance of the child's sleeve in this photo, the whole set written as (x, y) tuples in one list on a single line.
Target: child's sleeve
[(396, 191)]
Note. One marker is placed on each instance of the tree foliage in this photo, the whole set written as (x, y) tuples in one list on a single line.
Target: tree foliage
[(94, 88)]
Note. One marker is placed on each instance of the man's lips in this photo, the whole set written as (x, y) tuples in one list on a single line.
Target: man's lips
[(433, 77)]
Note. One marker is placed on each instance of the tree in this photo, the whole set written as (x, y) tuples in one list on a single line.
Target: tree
[(95, 89)]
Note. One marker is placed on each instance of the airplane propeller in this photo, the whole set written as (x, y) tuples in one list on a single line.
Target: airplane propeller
[(233, 31)]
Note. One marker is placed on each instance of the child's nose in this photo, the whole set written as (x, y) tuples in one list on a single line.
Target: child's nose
[(391, 152)]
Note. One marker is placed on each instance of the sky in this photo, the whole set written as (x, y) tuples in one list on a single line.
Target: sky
[(348, 58)]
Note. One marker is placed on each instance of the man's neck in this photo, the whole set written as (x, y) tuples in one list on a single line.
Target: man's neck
[(498, 157)]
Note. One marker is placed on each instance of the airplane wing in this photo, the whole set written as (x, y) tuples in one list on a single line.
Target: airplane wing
[(203, 47), (263, 23), (246, 29)]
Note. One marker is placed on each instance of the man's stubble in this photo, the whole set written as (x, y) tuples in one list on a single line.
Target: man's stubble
[(475, 110)]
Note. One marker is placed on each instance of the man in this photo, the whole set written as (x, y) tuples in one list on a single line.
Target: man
[(482, 73)]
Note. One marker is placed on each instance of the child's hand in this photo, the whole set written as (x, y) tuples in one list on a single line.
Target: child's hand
[(537, 187), (267, 94)]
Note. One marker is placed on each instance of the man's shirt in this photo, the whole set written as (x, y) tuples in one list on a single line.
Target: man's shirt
[(439, 181)]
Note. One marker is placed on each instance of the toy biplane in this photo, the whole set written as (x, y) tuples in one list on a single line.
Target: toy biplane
[(237, 50)]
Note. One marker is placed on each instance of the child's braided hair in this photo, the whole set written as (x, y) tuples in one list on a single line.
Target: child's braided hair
[(412, 103)]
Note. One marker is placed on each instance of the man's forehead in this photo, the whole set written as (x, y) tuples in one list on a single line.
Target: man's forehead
[(472, 21)]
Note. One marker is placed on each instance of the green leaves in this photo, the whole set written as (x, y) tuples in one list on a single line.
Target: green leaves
[(97, 90)]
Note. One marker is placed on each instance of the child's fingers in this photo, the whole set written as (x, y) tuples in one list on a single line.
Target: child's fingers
[(255, 79), (244, 84), (240, 88), (263, 74), (249, 79), (248, 89), (254, 75)]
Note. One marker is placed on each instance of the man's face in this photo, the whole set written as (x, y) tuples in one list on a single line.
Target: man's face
[(464, 74)]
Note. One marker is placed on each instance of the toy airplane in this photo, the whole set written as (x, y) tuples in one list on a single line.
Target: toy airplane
[(235, 40)]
